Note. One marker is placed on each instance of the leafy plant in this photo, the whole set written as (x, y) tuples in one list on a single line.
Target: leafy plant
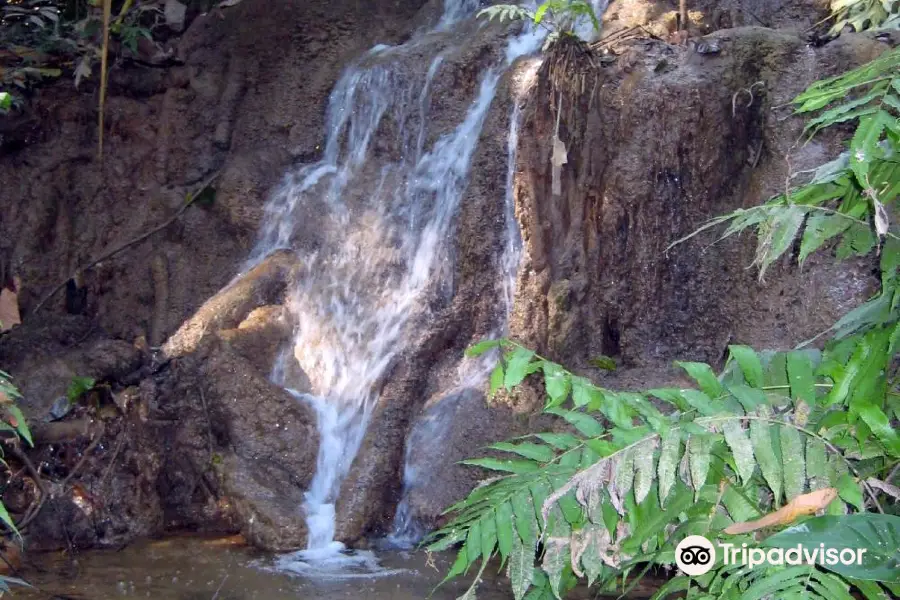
[(608, 496), (78, 387), (865, 14), (559, 17)]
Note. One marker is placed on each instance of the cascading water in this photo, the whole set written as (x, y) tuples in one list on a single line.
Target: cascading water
[(471, 372), (371, 222)]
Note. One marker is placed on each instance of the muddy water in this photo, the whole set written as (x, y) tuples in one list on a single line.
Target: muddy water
[(193, 569)]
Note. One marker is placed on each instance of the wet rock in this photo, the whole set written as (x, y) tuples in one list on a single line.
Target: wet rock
[(263, 284), (261, 337), (269, 443), (454, 427)]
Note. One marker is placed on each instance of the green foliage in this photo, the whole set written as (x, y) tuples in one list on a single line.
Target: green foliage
[(559, 17), (78, 387), (629, 474), (865, 14), (878, 534)]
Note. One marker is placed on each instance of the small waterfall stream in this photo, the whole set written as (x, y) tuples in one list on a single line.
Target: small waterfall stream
[(371, 222)]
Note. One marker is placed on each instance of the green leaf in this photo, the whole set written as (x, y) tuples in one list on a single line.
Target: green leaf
[(5, 101), (505, 530), (560, 441), (556, 558), (556, 382), (496, 379), (473, 542), (508, 466), (766, 458), (749, 397), (779, 234), (800, 377), (521, 567), (482, 346), (816, 464), (750, 364), (516, 368), (643, 469), (669, 455), (820, 228), (741, 449), (459, 565), (586, 424), (704, 376), (880, 425), (877, 534), (20, 424), (699, 448), (7, 520), (864, 145), (850, 492), (488, 526), (793, 462), (533, 451), (526, 521)]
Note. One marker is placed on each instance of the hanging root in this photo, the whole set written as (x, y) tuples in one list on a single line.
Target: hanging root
[(749, 92), (569, 64)]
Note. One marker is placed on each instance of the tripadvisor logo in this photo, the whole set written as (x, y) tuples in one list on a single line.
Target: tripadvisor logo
[(696, 555)]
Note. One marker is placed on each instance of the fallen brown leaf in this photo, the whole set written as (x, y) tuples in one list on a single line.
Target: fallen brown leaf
[(804, 504), (9, 310)]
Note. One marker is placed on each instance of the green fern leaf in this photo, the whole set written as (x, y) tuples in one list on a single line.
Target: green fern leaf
[(528, 450), (496, 382), (850, 492), (505, 530), (750, 364), (699, 448), (517, 367), (643, 466), (624, 473), (704, 376), (560, 441), (766, 458), (816, 464), (793, 462), (507, 466), (521, 567), (741, 449), (525, 517), (556, 382), (669, 454), (556, 555), (586, 424), (488, 526), (772, 582)]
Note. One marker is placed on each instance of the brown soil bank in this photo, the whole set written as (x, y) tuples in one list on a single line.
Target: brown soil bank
[(190, 434)]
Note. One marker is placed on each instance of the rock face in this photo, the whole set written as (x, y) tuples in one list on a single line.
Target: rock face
[(653, 153)]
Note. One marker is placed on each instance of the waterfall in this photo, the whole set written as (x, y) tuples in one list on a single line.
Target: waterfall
[(371, 224)]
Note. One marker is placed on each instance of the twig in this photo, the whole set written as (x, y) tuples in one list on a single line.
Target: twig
[(35, 508), (219, 589), (191, 197), (112, 460), (84, 456)]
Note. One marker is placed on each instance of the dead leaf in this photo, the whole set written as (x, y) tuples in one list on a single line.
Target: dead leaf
[(884, 486), (9, 310), (804, 504), (83, 70), (558, 159), (881, 218)]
